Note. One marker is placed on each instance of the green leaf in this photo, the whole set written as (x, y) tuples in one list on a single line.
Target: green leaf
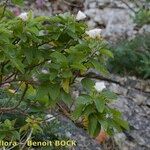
[(107, 53), (100, 104), (24, 128), (97, 130), (84, 99), (122, 123), (89, 110), (31, 92), (108, 95), (92, 124), (44, 100), (100, 68), (18, 64), (16, 135), (67, 74), (53, 75), (104, 124), (66, 97), (59, 57), (8, 123), (116, 113), (42, 94), (79, 66), (65, 85), (87, 83), (78, 111), (29, 54), (41, 91), (2, 135), (54, 91), (18, 2)]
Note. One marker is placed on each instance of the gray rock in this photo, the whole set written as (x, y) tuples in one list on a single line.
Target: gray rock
[(118, 89), (84, 142)]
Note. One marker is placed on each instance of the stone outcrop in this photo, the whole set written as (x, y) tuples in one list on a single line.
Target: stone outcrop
[(134, 103), (83, 141), (115, 17)]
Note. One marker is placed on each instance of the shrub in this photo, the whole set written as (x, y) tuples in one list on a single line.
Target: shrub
[(40, 60), (131, 57)]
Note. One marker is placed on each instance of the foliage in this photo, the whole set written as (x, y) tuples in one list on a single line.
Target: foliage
[(132, 57), (40, 60), (142, 17)]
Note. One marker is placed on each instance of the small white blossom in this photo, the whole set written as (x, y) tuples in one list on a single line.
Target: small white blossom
[(94, 33), (107, 116), (41, 33), (99, 86), (44, 71), (49, 117), (49, 62), (23, 16), (80, 16)]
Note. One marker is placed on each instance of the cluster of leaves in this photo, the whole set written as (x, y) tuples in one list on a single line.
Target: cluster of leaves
[(142, 14), (96, 111), (132, 57), (142, 17), (40, 60)]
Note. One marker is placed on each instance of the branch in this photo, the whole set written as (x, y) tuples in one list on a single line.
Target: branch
[(70, 4), (29, 136), (2, 70), (99, 77), (21, 99), (128, 6), (36, 65)]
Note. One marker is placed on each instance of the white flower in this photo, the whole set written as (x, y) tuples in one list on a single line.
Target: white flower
[(23, 16), (41, 33), (99, 86), (94, 33), (49, 62), (49, 117), (44, 71), (107, 116), (80, 16)]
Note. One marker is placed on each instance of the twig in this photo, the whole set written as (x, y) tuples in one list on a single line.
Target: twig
[(128, 6), (70, 4), (30, 134), (2, 70), (21, 99), (64, 111)]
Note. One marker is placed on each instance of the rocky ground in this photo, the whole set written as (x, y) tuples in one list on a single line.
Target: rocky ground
[(134, 102), (114, 17)]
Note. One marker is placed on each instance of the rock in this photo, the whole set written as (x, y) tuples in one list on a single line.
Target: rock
[(118, 89), (115, 16), (147, 102), (137, 97), (133, 102), (145, 29), (84, 142)]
